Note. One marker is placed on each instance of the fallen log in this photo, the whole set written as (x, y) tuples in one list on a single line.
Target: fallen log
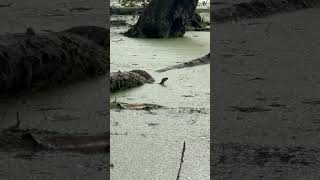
[(125, 80), (35, 60), (196, 62)]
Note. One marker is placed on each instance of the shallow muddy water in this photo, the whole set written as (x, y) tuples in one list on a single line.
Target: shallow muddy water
[(76, 108), (147, 145), (273, 64)]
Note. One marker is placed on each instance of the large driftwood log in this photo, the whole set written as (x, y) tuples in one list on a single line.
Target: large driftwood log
[(162, 19), (30, 60), (125, 80)]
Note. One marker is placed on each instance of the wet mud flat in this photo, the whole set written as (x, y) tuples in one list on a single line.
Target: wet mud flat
[(149, 123), (269, 128), (75, 108), (50, 113)]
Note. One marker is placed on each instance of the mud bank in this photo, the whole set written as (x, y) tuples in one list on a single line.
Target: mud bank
[(32, 61), (260, 8), (196, 62), (125, 80)]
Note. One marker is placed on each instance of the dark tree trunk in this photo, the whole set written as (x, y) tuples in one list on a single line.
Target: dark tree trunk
[(162, 19)]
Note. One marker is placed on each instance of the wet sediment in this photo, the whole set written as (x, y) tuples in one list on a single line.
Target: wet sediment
[(260, 8), (279, 159), (39, 140)]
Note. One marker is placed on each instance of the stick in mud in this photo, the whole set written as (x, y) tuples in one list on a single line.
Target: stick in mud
[(181, 161)]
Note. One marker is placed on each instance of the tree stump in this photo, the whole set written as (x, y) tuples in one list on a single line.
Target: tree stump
[(163, 19)]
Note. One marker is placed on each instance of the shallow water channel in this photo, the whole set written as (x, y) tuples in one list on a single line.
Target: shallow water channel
[(148, 145)]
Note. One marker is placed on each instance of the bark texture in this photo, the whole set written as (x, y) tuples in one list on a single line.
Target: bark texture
[(125, 80), (163, 19), (196, 62), (29, 60)]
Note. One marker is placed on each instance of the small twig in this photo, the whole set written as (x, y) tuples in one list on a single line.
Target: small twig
[(181, 161)]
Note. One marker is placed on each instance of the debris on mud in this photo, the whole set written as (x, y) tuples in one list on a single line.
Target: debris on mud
[(249, 109), (141, 106)]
